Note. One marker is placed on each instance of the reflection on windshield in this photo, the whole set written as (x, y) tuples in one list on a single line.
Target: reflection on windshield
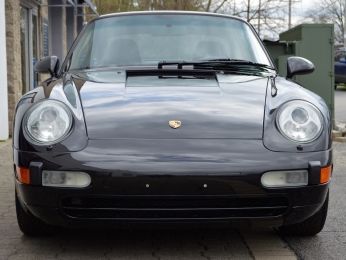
[(151, 38)]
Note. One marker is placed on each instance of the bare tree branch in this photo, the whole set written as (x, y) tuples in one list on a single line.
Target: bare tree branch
[(217, 9), (328, 11), (266, 15), (269, 17), (208, 6)]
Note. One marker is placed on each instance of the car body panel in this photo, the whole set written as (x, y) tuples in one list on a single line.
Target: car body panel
[(202, 105), (189, 169), (339, 67), (287, 91), (143, 171)]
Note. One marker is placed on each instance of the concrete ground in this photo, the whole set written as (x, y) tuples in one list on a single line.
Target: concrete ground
[(340, 104)]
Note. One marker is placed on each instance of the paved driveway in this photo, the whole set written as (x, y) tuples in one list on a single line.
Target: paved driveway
[(340, 104)]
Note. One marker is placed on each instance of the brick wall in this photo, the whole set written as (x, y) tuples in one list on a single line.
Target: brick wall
[(13, 51)]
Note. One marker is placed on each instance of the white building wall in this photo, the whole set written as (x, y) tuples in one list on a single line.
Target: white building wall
[(3, 76)]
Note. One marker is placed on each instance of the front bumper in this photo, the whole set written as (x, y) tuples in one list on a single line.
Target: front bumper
[(170, 181)]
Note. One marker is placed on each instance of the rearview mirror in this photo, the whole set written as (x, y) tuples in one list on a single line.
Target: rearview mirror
[(298, 66), (49, 64)]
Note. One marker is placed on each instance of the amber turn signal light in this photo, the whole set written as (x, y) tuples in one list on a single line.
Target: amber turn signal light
[(325, 174), (23, 175)]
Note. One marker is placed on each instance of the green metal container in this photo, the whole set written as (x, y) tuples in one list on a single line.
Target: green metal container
[(314, 42)]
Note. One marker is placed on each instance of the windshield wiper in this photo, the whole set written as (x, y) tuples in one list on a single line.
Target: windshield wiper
[(235, 65), (224, 64), (235, 62)]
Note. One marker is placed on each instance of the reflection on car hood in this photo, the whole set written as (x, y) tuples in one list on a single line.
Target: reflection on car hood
[(225, 106)]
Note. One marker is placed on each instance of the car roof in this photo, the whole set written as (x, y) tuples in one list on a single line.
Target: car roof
[(169, 12)]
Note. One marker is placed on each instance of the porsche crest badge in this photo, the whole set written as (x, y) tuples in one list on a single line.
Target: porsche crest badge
[(174, 124)]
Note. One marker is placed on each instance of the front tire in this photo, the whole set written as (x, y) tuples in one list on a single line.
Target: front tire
[(309, 227), (31, 225)]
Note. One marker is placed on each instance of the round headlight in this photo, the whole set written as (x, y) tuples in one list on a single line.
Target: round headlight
[(300, 121), (48, 122)]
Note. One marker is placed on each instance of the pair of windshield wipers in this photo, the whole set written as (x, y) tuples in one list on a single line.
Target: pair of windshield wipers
[(221, 64)]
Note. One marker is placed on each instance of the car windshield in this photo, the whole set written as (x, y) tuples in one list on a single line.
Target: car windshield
[(147, 39)]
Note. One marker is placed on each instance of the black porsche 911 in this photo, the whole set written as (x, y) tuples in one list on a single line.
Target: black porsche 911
[(171, 118)]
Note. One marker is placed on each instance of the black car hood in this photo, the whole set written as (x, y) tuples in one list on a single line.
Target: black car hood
[(225, 106)]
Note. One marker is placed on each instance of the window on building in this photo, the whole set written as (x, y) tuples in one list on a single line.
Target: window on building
[(34, 29), (29, 46)]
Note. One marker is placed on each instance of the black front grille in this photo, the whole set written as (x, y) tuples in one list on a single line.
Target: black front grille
[(176, 214), (148, 207), (185, 202)]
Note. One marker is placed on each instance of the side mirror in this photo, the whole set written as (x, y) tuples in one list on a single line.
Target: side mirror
[(49, 64), (298, 66), (342, 60)]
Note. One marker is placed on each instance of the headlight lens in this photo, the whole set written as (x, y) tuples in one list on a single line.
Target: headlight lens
[(300, 121), (48, 122)]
